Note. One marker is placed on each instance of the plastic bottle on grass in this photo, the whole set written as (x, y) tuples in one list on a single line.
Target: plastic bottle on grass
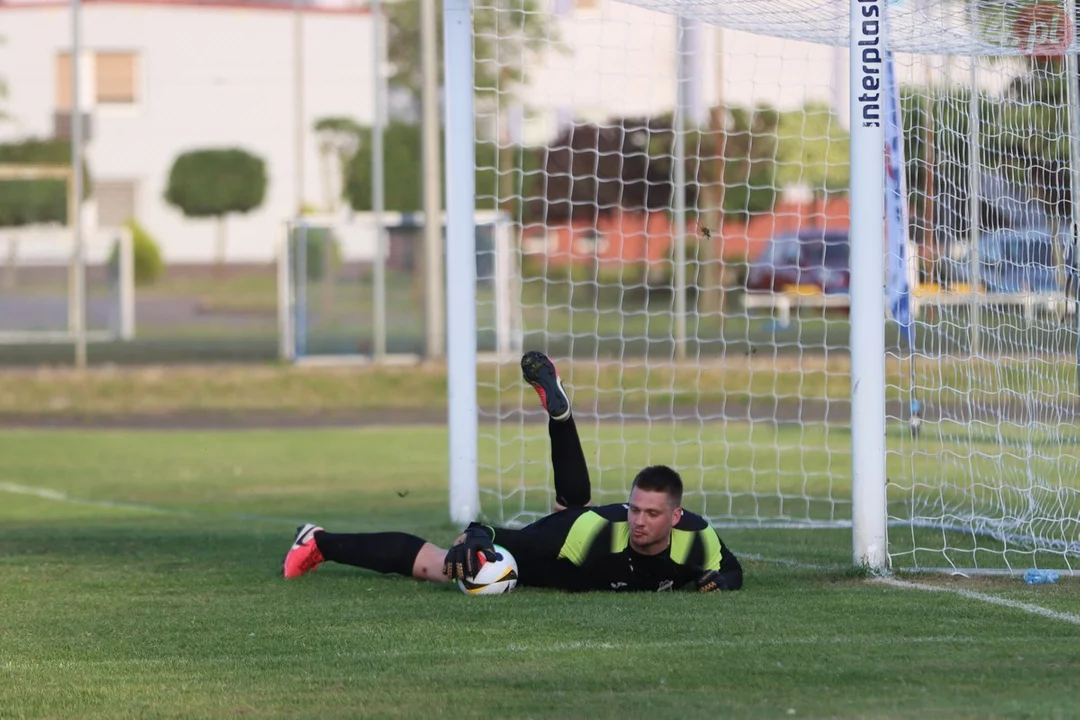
[(1040, 577)]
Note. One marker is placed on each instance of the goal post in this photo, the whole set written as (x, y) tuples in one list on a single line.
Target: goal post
[(44, 250), (818, 255), (867, 45), (353, 288), (461, 330)]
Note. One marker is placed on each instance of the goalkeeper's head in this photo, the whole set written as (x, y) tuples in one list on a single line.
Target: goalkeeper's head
[(655, 507)]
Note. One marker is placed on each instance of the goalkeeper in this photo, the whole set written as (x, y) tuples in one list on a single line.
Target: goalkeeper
[(649, 543)]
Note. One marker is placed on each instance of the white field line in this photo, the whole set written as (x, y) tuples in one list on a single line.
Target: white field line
[(58, 496), (962, 592), (983, 597), (9, 665)]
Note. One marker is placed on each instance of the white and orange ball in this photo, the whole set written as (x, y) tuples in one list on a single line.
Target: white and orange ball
[(495, 577)]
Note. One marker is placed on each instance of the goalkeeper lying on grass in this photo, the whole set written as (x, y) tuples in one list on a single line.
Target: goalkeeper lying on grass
[(647, 544)]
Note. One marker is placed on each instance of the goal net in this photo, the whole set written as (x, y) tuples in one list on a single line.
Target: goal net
[(341, 299), (678, 175), (47, 294)]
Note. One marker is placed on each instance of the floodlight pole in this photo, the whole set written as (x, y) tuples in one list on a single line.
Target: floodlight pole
[(77, 306), (434, 315), (974, 211), (377, 185), (682, 73), (867, 46), (298, 103)]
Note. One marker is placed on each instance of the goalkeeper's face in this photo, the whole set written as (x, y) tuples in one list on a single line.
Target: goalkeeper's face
[(651, 515)]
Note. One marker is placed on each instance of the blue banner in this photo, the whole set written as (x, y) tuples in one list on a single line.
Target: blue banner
[(898, 288)]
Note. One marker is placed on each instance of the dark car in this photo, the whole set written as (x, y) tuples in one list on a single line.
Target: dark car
[(1018, 261), (1023, 261), (809, 258)]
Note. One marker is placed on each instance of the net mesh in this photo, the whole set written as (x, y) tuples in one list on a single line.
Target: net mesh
[(716, 339)]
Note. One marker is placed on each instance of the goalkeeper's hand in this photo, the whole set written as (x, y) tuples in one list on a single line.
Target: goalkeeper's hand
[(463, 559), (712, 581)]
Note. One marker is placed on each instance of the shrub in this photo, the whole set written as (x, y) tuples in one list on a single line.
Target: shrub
[(147, 255), (29, 202)]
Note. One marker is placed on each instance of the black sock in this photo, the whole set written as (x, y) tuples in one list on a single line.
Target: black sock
[(572, 486), (388, 552)]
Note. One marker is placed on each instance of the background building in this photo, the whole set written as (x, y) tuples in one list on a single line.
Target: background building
[(161, 77)]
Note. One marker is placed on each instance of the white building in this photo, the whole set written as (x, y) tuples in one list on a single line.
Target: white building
[(612, 59), (164, 76), (160, 77)]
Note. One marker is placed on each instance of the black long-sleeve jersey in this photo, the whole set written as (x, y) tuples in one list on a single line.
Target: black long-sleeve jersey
[(589, 549)]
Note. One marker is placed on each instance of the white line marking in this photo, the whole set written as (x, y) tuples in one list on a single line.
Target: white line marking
[(983, 597), (58, 496)]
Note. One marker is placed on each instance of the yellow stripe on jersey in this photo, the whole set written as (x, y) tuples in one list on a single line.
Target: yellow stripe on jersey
[(620, 536), (712, 548), (681, 542), (580, 538)]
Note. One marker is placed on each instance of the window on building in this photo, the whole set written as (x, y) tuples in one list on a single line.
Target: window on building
[(115, 201), (114, 73), (63, 82), (114, 78)]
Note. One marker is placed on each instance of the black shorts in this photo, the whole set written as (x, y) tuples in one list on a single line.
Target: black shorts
[(536, 548)]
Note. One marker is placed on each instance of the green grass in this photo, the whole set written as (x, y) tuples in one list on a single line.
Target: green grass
[(151, 588), (626, 384)]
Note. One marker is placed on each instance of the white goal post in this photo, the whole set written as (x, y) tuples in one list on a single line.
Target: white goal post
[(899, 179)]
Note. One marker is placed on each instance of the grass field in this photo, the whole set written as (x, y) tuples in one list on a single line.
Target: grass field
[(141, 578), (625, 384)]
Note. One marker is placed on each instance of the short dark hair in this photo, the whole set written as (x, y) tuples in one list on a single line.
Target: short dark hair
[(660, 478)]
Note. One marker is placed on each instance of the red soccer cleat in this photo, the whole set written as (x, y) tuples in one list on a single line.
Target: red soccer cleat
[(304, 555), (540, 372)]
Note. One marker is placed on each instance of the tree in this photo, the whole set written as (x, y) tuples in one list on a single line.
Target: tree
[(813, 150), (33, 202), (215, 183), (627, 163), (750, 153), (502, 37), (592, 169), (402, 170), (339, 140)]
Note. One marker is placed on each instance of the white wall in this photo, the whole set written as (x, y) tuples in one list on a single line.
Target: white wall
[(209, 77), (619, 60)]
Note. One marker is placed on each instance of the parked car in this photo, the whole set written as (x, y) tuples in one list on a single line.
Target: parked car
[(1011, 262), (1021, 261), (813, 258)]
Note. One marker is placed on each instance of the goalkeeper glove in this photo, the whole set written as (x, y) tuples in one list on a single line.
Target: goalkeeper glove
[(463, 559), (712, 581)]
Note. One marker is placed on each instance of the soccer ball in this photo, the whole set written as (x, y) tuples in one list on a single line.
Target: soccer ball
[(495, 577)]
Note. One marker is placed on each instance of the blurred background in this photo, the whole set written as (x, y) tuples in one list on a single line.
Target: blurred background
[(255, 182)]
